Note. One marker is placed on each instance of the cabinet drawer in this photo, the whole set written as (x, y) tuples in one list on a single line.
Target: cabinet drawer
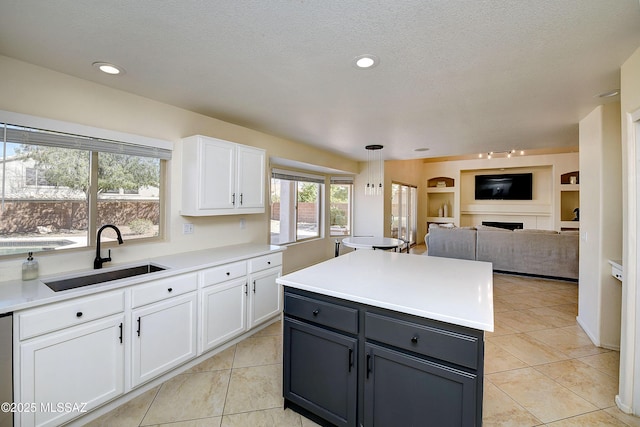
[(162, 289), (430, 341), (69, 313), (323, 313), (214, 275), (264, 262)]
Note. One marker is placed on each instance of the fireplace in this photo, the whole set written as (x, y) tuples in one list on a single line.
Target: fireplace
[(507, 225)]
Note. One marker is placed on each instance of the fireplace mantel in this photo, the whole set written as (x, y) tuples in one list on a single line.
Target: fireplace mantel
[(502, 208)]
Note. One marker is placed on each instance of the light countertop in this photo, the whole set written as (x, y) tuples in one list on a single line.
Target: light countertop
[(18, 294), (445, 289)]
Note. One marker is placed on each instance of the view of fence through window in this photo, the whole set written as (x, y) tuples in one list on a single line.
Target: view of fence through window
[(340, 208), (45, 189), (295, 210)]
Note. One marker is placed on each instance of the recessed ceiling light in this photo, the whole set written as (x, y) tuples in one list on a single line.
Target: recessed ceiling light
[(609, 94), (365, 61), (108, 68)]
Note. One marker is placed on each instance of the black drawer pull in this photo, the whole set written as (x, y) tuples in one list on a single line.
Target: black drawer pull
[(414, 339), (170, 289), (120, 332), (316, 311), (139, 323), (228, 273), (269, 262), (79, 314)]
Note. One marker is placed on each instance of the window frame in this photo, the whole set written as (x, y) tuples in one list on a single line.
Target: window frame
[(111, 140), (295, 178), (342, 180)]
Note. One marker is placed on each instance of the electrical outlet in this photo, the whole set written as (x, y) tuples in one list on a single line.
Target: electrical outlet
[(243, 223), (187, 228)]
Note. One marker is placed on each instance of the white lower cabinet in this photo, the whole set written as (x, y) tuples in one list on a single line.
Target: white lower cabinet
[(83, 352), (80, 368), (224, 315), (164, 336), (265, 300)]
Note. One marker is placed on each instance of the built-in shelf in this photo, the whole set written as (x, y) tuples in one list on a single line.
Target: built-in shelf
[(569, 225), (569, 199), (570, 178), (441, 206), (441, 182), (440, 219)]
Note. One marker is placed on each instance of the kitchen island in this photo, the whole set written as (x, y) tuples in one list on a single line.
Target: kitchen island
[(380, 338)]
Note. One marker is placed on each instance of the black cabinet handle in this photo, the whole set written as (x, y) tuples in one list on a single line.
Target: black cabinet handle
[(254, 286), (233, 200), (120, 332), (269, 262), (316, 311), (138, 331), (170, 289), (414, 339), (246, 289), (241, 199), (79, 314), (350, 359), (228, 273), (368, 365)]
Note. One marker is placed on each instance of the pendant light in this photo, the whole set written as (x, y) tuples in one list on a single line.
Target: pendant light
[(375, 171)]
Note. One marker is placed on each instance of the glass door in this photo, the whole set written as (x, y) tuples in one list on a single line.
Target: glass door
[(403, 212)]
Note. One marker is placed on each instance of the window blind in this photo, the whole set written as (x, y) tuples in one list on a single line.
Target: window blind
[(32, 136), (296, 176), (342, 180)]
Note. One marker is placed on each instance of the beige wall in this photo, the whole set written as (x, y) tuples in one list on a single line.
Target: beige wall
[(600, 224), (629, 397), (37, 91)]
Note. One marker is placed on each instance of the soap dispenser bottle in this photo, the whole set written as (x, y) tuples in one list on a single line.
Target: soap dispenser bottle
[(30, 268)]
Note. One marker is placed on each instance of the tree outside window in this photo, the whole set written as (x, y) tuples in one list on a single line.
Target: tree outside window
[(340, 209), (47, 191)]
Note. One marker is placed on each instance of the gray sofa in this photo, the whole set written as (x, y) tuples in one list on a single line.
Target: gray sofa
[(535, 252)]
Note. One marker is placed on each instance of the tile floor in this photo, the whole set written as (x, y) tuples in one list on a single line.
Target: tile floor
[(540, 369)]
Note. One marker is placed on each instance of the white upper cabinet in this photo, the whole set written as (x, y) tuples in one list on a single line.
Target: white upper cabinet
[(221, 177)]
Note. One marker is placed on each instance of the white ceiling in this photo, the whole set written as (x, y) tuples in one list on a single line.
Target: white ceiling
[(455, 76)]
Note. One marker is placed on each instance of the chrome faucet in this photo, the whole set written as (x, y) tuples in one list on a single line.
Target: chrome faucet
[(97, 263)]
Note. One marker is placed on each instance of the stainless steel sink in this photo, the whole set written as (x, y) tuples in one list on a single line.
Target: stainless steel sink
[(101, 277)]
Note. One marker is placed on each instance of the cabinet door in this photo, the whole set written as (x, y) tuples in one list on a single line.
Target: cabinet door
[(164, 336), (403, 390), (251, 186), (320, 372), (217, 170), (82, 364), (224, 314), (265, 299)]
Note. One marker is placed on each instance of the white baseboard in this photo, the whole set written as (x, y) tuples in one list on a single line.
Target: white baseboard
[(586, 330)]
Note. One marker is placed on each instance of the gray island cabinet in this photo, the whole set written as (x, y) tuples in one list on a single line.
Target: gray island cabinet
[(382, 351)]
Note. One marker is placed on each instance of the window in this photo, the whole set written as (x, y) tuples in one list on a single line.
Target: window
[(35, 177), (340, 205), (56, 189), (295, 206), (404, 208)]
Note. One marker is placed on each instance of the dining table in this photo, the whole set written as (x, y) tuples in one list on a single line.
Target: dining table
[(372, 242)]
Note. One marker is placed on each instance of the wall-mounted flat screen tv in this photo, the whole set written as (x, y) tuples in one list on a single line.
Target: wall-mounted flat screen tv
[(513, 186)]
